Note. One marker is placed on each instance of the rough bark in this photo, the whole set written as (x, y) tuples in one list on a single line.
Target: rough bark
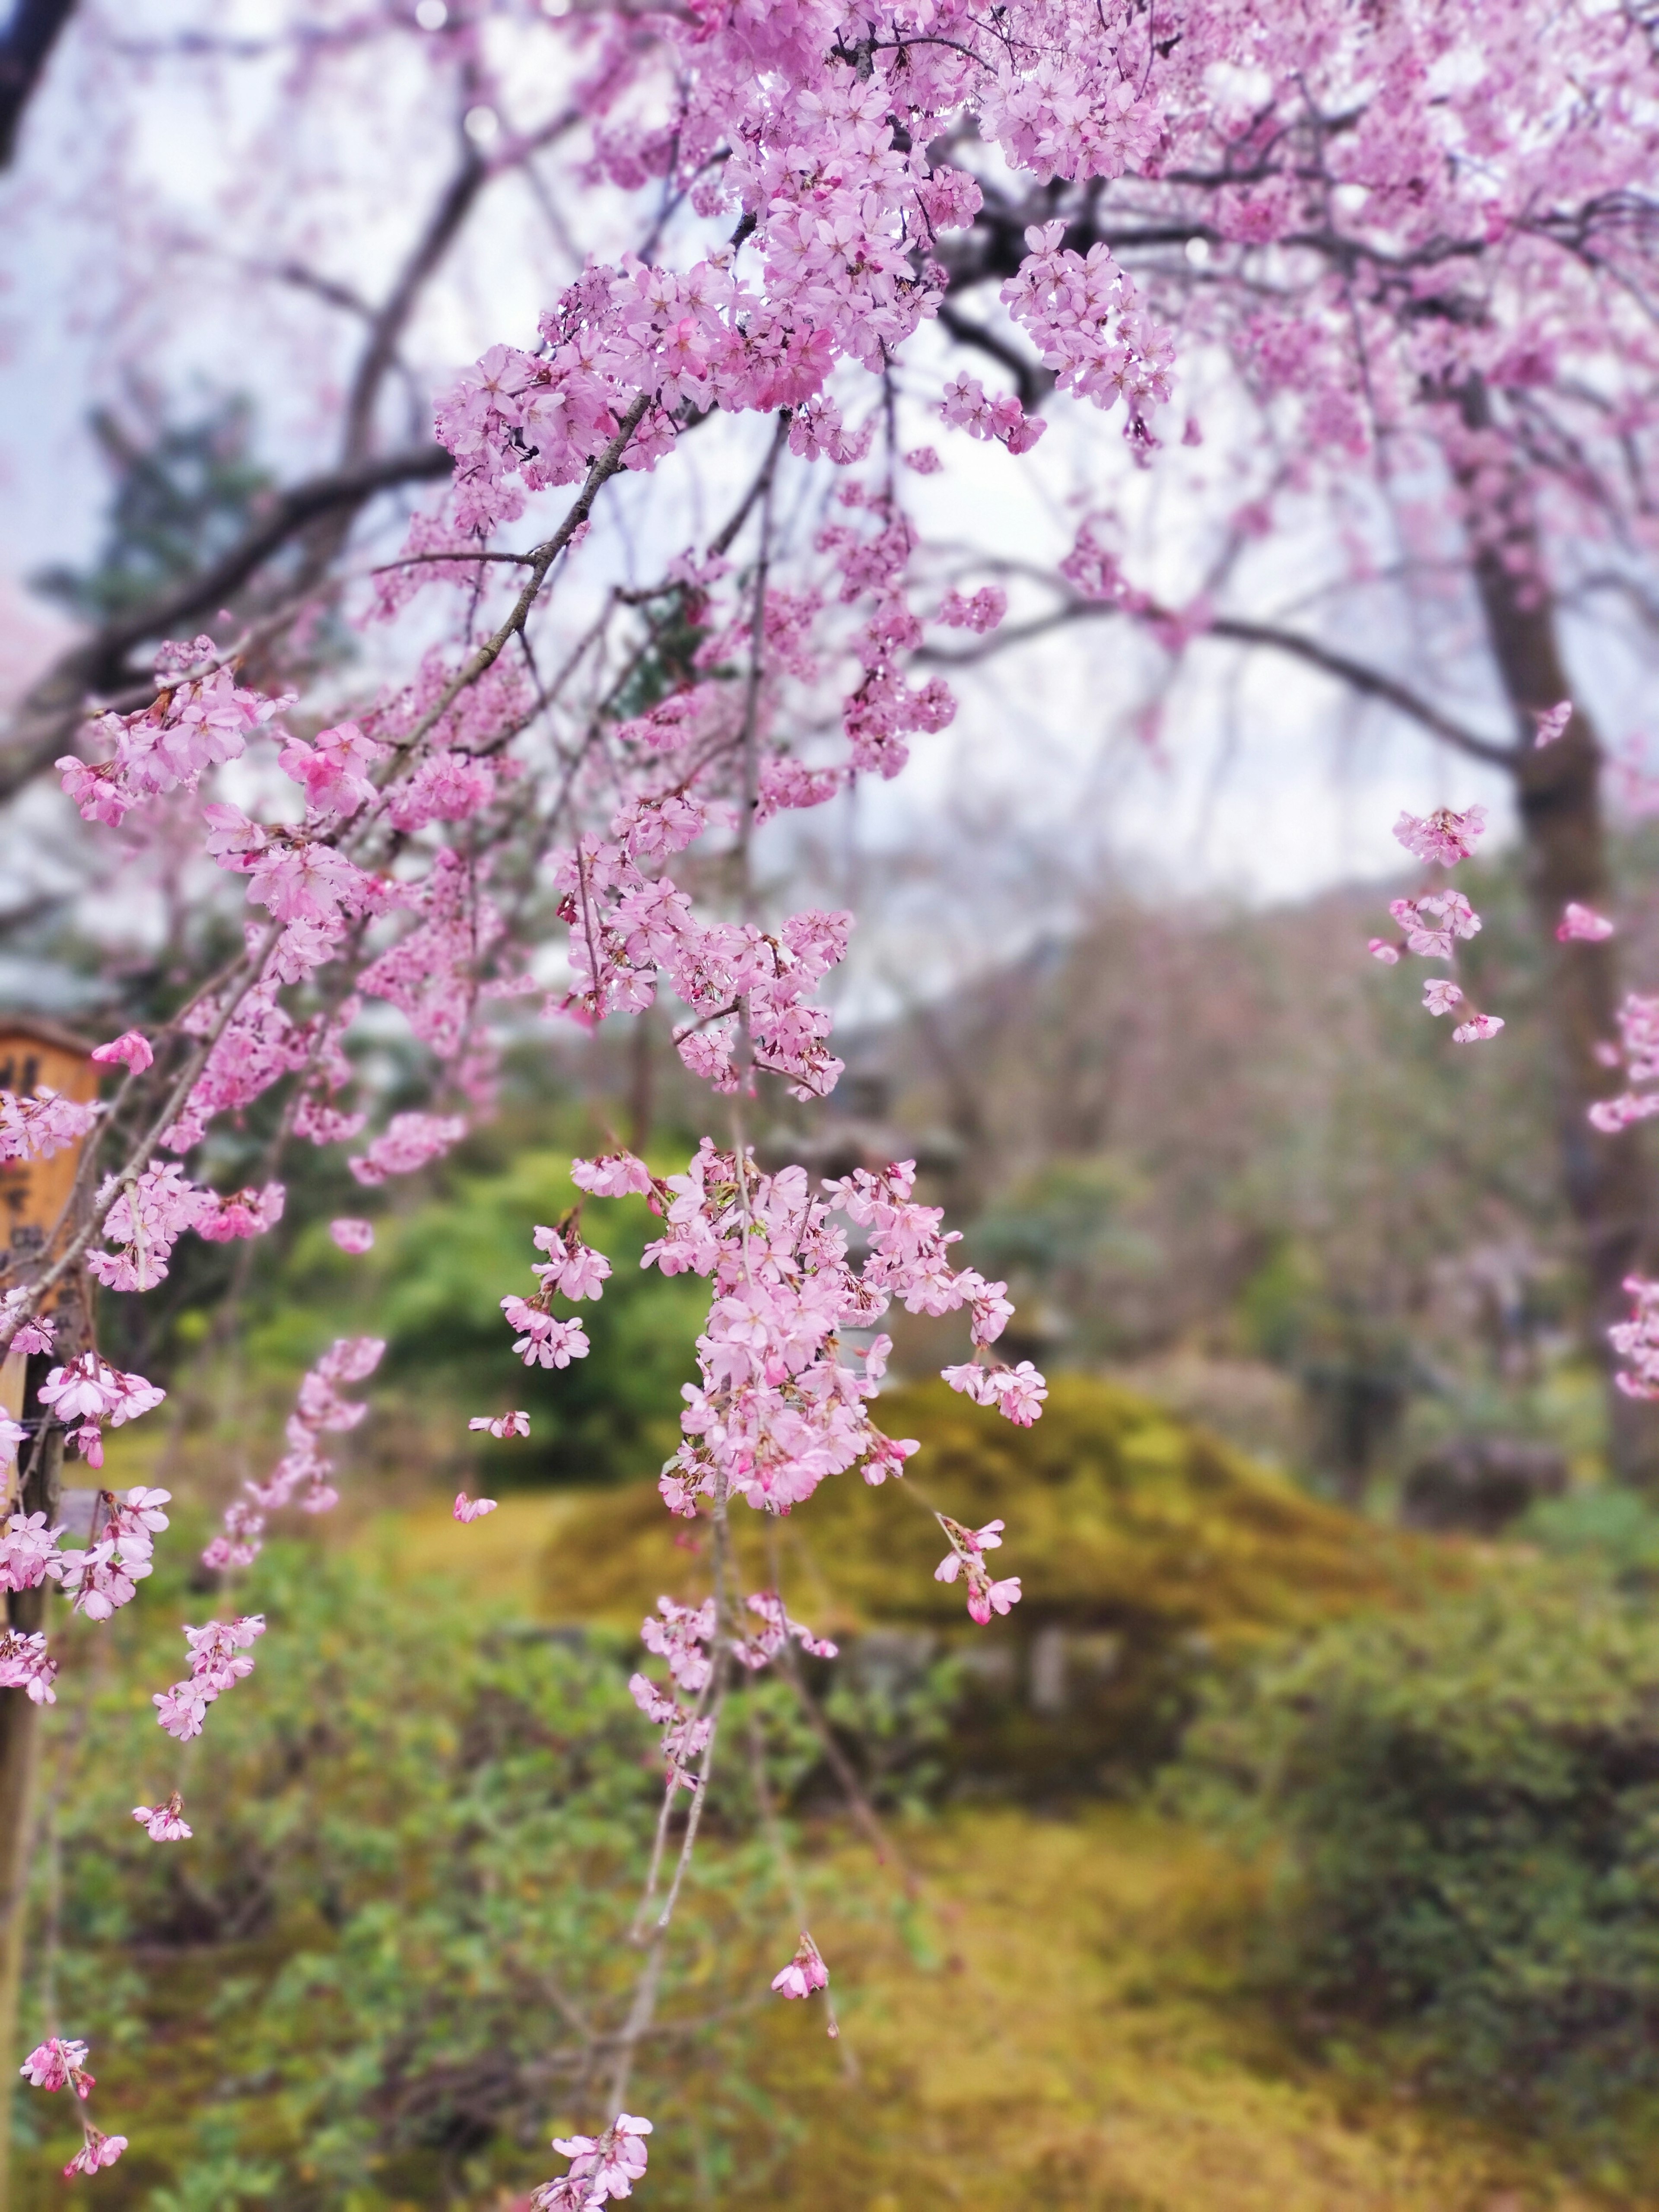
[(1606, 1179)]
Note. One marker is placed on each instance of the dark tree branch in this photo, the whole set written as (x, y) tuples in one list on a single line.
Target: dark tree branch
[(1370, 682), (387, 328), (1032, 382), (25, 44), (45, 722)]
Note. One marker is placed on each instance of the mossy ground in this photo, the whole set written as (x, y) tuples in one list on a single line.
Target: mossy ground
[(1065, 2024)]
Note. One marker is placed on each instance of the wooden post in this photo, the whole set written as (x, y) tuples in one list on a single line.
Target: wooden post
[(33, 1196)]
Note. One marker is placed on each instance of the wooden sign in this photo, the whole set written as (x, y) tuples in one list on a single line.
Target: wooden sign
[(35, 1054)]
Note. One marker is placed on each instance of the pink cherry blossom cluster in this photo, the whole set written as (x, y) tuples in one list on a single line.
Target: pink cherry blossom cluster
[(966, 1557), (301, 1475), (681, 1637), (805, 1972), (1638, 1053), (35, 1128), (1434, 921), (86, 1394), (198, 719), (1582, 925), (746, 988), (602, 2167), (1637, 1340), (515, 1424), (782, 1399), (25, 1336), (60, 2063), (1080, 311), (759, 1648), (148, 1215), (165, 1823), (97, 2151), (219, 1657), (103, 1577), (25, 1664)]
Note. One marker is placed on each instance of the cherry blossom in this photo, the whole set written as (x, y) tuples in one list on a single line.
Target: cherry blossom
[(26, 1665), (98, 2150), (1552, 723), (1444, 836), (104, 1577), (1582, 925), (758, 1649), (617, 1175), (602, 2167), (805, 1972), (1637, 1340), (1434, 921), (352, 1236), (471, 1509), (89, 1392), (164, 1824), (59, 2062), (574, 1271), (28, 1552), (301, 1476), (966, 1557), (219, 1657), (131, 1049), (44, 1123), (502, 1425), (409, 1141), (26, 1336)]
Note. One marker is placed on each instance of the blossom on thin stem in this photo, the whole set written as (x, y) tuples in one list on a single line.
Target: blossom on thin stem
[(805, 1972), (467, 1508), (165, 1824), (601, 2167), (966, 1557), (219, 1657), (301, 1476), (59, 2062), (1444, 836), (502, 1425), (96, 2150)]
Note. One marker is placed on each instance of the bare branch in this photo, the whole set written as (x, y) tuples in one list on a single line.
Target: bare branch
[(454, 205), (45, 722), (1370, 682)]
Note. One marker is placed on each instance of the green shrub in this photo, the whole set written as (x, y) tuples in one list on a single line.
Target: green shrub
[(380, 1973), (1467, 1803)]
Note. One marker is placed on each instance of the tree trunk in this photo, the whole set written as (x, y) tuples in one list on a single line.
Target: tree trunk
[(19, 1736), (1557, 791)]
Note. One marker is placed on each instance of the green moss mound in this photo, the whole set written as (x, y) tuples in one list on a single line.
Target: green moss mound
[(1120, 1517), (1149, 1554)]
